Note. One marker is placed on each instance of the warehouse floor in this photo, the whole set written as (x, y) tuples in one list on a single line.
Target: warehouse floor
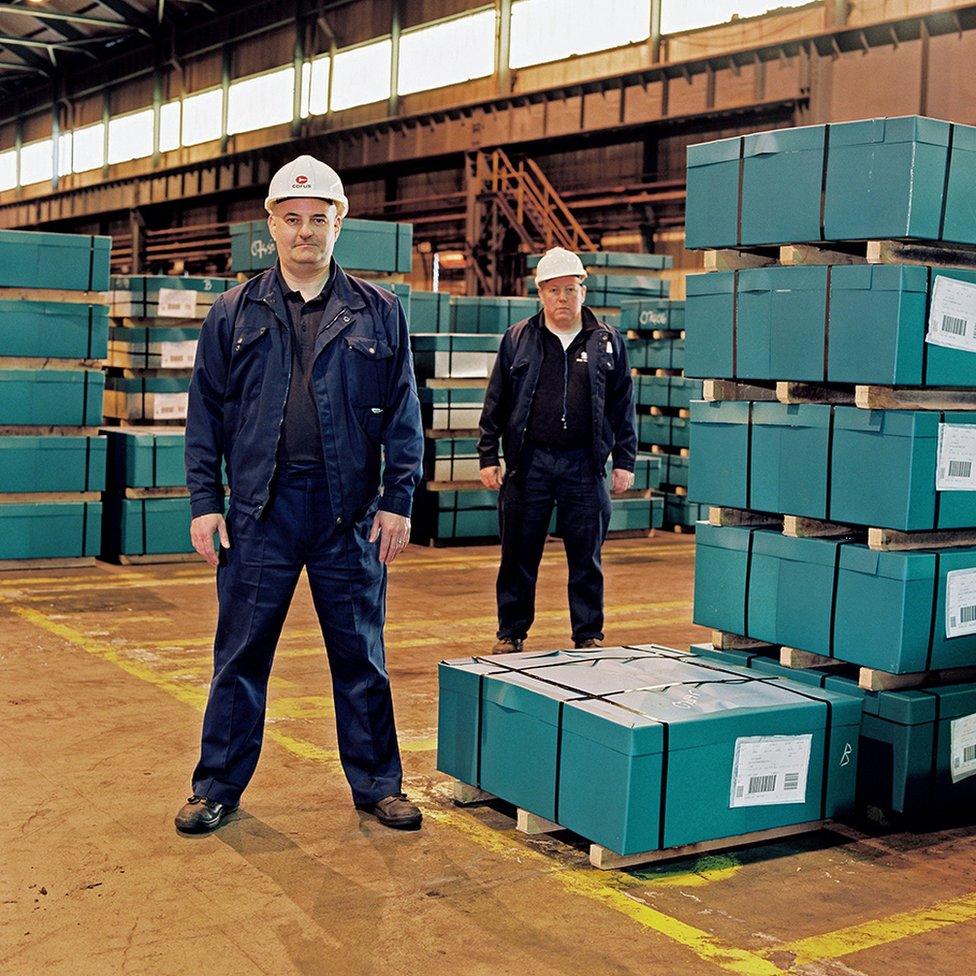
[(104, 676)]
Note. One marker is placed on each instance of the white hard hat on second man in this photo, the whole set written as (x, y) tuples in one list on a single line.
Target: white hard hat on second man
[(308, 177), (557, 262)]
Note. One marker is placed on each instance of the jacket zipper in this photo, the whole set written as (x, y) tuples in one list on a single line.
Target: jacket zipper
[(284, 403), (565, 382)]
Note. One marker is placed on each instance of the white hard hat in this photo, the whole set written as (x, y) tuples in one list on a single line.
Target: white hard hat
[(557, 262), (307, 176)]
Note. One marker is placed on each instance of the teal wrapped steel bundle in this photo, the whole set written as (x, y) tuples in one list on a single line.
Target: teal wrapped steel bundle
[(51, 463), (652, 315), (720, 438), (450, 515), (636, 514), (611, 261), (645, 749), (453, 355), (40, 259), (57, 330), (913, 757), (146, 397), (145, 526), (49, 530), (430, 311), (144, 458), (648, 471), (153, 347), (452, 459), (53, 397), (489, 314), (451, 408), (679, 511)]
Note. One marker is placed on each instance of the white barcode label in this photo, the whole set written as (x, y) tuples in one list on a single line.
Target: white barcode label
[(169, 406), (174, 303), (952, 315), (962, 745), (458, 364), (955, 469), (769, 769), (960, 602), (177, 355)]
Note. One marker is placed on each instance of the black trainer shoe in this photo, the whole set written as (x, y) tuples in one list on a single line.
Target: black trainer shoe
[(394, 811), (200, 815), (588, 644), (509, 645)]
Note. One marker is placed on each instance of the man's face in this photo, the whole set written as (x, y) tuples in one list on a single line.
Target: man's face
[(562, 299), (305, 232)]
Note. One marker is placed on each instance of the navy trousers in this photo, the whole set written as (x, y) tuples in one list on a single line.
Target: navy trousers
[(255, 584), (567, 481)]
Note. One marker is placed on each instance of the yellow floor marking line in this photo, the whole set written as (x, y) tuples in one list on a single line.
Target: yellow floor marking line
[(878, 932), (605, 889), (705, 871)]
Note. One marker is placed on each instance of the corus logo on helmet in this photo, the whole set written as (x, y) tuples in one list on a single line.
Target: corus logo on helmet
[(301, 180)]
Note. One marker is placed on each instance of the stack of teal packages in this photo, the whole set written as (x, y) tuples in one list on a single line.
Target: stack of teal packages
[(908, 609), (640, 749), (53, 342)]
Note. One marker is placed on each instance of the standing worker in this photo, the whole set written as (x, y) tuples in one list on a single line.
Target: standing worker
[(561, 401), (302, 375)]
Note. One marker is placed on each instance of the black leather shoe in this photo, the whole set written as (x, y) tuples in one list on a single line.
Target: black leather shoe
[(589, 644), (395, 811), (200, 815), (509, 645)]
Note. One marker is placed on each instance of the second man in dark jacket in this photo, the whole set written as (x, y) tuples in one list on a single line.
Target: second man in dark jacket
[(560, 403)]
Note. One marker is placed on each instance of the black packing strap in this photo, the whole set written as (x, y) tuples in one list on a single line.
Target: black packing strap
[(937, 510), (748, 498), (145, 349), (826, 343), (559, 755), (145, 531), (823, 180), (481, 696), (738, 202), (745, 598), (84, 529), (87, 479), (834, 585), (935, 607), (155, 455), (84, 401), (929, 284), (735, 325), (665, 761), (945, 179), (829, 484), (91, 263), (91, 328)]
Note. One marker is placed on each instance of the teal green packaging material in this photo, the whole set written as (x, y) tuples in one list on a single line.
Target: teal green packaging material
[(144, 458), (453, 355), (679, 511), (712, 209), (451, 459), (680, 432), (783, 164), (45, 397), (48, 530), (960, 212), (464, 514), (886, 178), (719, 472), (652, 315), (884, 465), (638, 356), (636, 514), (654, 431), (623, 260), (677, 470), (891, 609), (781, 315), (684, 752), (153, 347), (451, 408), (51, 463), (789, 461), (489, 314), (656, 354), (612, 290), (56, 330), (682, 391), (404, 293), (678, 354), (648, 471), (710, 324), (652, 391), (145, 287), (40, 259), (145, 526), (722, 555), (791, 588), (430, 311)]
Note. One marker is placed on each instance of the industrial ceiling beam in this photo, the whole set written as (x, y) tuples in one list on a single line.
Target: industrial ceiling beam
[(131, 16), (46, 14)]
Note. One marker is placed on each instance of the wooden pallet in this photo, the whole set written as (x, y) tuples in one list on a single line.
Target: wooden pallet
[(55, 562), (42, 362), (150, 372), (908, 398), (147, 425), (37, 497), (451, 433), (801, 527), (792, 392), (55, 430), (169, 491), (683, 412), (453, 485), (713, 390), (53, 295), (119, 318), (934, 253), (665, 489), (465, 382), (665, 449), (874, 679), (724, 641), (721, 515), (152, 558)]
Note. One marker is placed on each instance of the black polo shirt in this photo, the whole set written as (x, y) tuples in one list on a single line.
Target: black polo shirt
[(561, 407), (301, 435)]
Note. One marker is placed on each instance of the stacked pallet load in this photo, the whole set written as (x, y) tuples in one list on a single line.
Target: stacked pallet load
[(53, 344), (156, 322), (647, 752), (835, 440)]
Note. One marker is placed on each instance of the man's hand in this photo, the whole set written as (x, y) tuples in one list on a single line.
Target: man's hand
[(492, 477), (621, 481), (202, 530), (393, 531)]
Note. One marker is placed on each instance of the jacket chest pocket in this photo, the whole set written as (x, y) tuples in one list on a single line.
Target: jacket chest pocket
[(365, 363), (248, 355)]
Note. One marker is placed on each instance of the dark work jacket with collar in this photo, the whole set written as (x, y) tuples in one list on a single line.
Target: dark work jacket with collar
[(364, 389), (511, 390)]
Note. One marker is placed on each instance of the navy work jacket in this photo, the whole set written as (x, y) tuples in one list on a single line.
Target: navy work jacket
[(511, 390), (364, 390)]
